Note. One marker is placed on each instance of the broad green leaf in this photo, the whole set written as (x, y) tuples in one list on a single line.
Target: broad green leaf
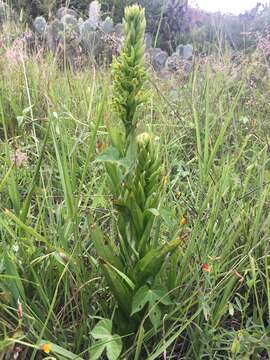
[(123, 276), (112, 155), (113, 343), (102, 330), (140, 299), (162, 296), (120, 288), (155, 316), (149, 266), (104, 247), (145, 294), (97, 350), (114, 348)]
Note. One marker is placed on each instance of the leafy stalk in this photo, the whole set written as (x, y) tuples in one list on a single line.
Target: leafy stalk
[(133, 260)]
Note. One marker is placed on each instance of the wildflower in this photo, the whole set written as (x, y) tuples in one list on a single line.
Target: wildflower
[(46, 348), (206, 268), (20, 310)]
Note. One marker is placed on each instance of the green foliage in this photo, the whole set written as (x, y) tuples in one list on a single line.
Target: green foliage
[(102, 332), (34, 8), (116, 9), (153, 298), (213, 137), (48, 7), (113, 8)]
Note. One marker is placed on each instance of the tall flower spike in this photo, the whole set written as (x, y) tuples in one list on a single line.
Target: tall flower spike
[(134, 168), (128, 69)]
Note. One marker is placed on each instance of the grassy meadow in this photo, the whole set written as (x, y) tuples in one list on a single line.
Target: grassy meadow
[(213, 133)]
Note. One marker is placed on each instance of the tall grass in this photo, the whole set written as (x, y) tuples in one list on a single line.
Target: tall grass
[(213, 130)]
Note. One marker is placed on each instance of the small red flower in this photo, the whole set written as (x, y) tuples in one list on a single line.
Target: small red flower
[(206, 268)]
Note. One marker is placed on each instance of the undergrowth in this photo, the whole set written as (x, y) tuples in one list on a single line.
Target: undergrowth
[(212, 130)]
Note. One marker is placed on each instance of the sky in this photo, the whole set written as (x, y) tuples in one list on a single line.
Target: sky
[(233, 6)]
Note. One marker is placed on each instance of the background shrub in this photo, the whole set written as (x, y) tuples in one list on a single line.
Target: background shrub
[(172, 22)]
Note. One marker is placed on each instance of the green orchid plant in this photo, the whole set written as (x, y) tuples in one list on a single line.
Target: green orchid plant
[(132, 261)]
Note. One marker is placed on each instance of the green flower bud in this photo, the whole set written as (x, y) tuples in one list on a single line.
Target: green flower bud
[(144, 139)]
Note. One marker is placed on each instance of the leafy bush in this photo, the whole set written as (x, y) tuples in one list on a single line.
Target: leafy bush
[(48, 7), (35, 8), (115, 8), (165, 17)]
